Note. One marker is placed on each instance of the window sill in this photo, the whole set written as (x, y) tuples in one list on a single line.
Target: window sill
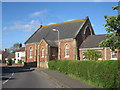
[(30, 57), (113, 58), (66, 56)]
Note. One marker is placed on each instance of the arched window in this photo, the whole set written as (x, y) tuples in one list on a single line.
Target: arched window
[(67, 50), (31, 52), (42, 52)]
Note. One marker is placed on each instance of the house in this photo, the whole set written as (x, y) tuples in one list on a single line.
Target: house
[(11, 56), (92, 42), (0, 56), (3, 54), (75, 37), (20, 55)]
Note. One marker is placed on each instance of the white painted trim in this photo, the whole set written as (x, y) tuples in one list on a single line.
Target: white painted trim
[(113, 58), (67, 56), (91, 48)]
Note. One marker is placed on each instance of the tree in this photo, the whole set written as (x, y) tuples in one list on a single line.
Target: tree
[(92, 54), (113, 29), (15, 47)]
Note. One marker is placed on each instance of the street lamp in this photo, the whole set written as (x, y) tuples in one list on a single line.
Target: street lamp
[(55, 30)]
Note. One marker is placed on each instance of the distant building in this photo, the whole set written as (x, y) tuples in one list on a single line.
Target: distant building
[(20, 54), (3, 54), (11, 56)]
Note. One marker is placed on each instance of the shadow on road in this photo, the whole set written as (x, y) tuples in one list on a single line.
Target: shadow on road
[(15, 69), (8, 70)]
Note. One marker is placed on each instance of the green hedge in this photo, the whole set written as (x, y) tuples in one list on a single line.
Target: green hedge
[(101, 73)]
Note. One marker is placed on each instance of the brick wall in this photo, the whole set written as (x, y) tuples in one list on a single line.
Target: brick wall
[(105, 52), (62, 50), (28, 59), (53, 53), (43, 45)]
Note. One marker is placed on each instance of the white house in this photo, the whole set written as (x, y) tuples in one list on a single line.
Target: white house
[(0, 55), (20, 55)]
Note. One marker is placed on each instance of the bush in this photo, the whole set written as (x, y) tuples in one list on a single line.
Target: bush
[(9, 61), (101, 73), (92, 54), (20, 61)]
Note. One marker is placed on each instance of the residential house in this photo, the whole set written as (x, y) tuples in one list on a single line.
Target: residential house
[(3, 54), (20, 55), (11, 56), (0, 56), (74, 38)]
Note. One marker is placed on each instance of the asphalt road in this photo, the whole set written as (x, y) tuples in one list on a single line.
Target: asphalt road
[(20, 77)]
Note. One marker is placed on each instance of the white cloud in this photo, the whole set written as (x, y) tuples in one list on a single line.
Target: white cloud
[(38, 13), (51, 23), (26, 27), (69, 20)]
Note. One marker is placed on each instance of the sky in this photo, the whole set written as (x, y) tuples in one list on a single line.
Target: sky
[(21, 19)]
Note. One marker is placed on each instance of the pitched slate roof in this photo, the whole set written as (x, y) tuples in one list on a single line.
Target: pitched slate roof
[(51, 43), (93, 41), (66, 29)]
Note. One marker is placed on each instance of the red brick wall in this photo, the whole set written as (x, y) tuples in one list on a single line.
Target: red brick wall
[(118, 54), (43, 44), (28, 59), (101, 50), (106, 53), (53, 53), (62, 50)]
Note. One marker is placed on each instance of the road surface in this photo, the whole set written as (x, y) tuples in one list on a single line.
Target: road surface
[(20, 77)]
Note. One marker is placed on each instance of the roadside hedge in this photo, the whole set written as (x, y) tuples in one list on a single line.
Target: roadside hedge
[(101, 73)]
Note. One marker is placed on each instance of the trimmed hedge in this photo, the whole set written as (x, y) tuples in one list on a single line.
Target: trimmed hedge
[(100, 73)]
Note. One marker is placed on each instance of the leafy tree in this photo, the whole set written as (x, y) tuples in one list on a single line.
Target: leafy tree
[(92, 54), (113, 29), (15, 47)]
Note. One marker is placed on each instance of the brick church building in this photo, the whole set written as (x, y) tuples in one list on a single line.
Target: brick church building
[(75, 37)]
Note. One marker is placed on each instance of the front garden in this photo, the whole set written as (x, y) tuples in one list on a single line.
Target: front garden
[(99, 73)]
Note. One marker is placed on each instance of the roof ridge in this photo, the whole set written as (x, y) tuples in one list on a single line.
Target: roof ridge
[(64, 23)]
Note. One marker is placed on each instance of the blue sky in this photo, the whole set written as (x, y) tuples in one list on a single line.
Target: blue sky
[(21, 19)]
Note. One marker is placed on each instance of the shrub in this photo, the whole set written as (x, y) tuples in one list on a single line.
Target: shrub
[(101, 73), (92, 54), (19, 61)]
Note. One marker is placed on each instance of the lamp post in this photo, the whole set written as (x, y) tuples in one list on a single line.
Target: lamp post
[(58, 42)]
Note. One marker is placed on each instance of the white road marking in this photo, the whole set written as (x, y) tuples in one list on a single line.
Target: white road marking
[(8, 79)]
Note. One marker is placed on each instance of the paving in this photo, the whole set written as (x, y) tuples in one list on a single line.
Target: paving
[(65, 81)]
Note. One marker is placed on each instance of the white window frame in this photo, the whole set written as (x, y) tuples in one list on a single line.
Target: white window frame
[(113, 53), (31, 52), (18, 55), (42, 52), (67, 50), (83, 56)]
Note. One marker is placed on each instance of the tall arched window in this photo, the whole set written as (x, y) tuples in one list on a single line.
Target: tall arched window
[(67, 50), (31, 51), (42, 52)]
